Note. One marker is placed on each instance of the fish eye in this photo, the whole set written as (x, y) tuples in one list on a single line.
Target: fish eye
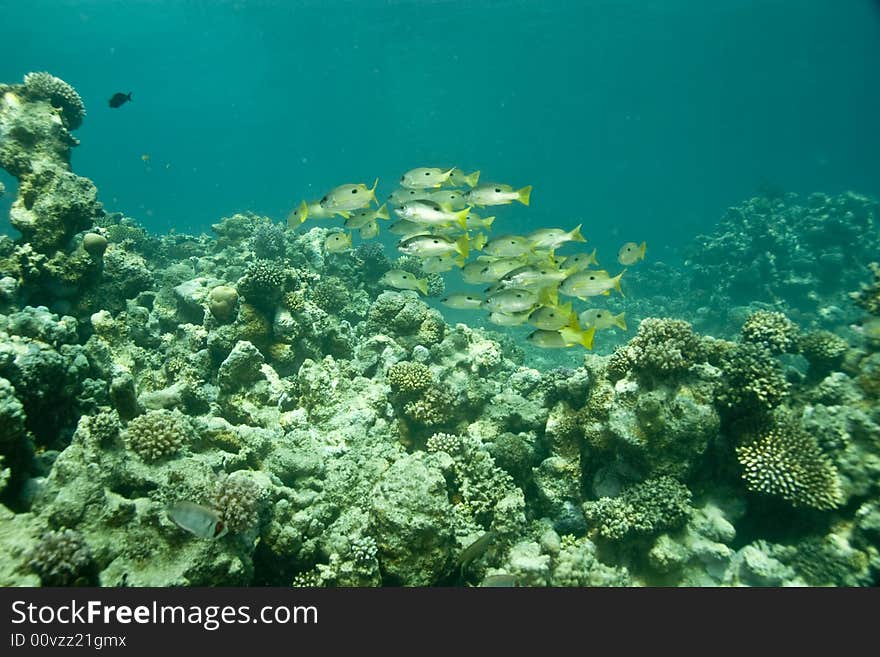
[(592, 278), (497, 190), (354, 191), (402, 178), (324, 200), (436, 241), (598, 315), (427, 173)]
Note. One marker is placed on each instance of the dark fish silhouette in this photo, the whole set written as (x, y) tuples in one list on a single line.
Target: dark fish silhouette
[(119, 99)]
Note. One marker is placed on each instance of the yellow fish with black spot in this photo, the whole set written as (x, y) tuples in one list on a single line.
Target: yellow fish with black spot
[(362, 217), (345, 198), (311, 210), (551, 318), (337, 243), (508, 246), (404, 280), (602, 319), (462, 301), (564, 337), (498, 194), (425, 177), (553, 238), (459, 178), (589, 283), (630, 253), (580, 261)]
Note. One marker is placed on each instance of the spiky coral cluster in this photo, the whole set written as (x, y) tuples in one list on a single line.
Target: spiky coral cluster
[(662, 347), (409, 377), (773, 330), (60, 94), (752, 379), (330, 294), (868, 297), (435, 408), (263, 284), (157, 434), (823, 350), (237, 498), (444, 442), (787, 462), (61, 558), (647, 508), (268, 241)]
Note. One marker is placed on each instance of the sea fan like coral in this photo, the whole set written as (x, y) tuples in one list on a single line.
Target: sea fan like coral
[(59, 94), (788, 462)]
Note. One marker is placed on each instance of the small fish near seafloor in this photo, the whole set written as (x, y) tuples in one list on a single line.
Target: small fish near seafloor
[(198, 520), (119, 99)]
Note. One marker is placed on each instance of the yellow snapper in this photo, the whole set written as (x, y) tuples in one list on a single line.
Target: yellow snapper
[(488, 270), (303, 211), (370, 230), (533, 276), (407, 228), (459, 178), (551, 318), (449, 198), (553, 238), (425, 246), (345, 198), (589, 283), (602, 319), (630, 253), (564, 337), (360, 218), (580, 261), (424, 177), (404, 280), (512, 300), (474, 222), (508, 246), (431, 213), (198, 520), (337, 242), (401, 196), (498, 194), (506, 319), (441, 263), (462, 301)]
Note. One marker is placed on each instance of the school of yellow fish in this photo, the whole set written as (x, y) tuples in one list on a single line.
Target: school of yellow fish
[(523, 277)]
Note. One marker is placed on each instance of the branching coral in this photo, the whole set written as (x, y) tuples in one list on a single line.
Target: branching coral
[(62, 558), (868, 297), (823, 350), (157, 434), (773, 330), (263, 284), (268, 241), (237, 498), (408, 377), (787, 462), (752, 380), (330, 294), (645, 509), (662, 347), (60, 94)]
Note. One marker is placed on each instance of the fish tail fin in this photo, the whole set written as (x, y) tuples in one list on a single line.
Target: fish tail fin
[(586, 338), (461, 217), (382, 212), (616, 280), (343, 214), (422, 284), (479, 242), (642, 248), (523, 195), (463, 244), (575, 234), (460, 261), (566, 308), (620, 321), (372, 191), (573, 322), (472, 179), (447, 173), (549, 296), (129, 96), (592, 258), (488, 221)]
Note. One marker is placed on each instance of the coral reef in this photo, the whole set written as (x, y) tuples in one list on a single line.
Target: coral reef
[(346, 434)]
